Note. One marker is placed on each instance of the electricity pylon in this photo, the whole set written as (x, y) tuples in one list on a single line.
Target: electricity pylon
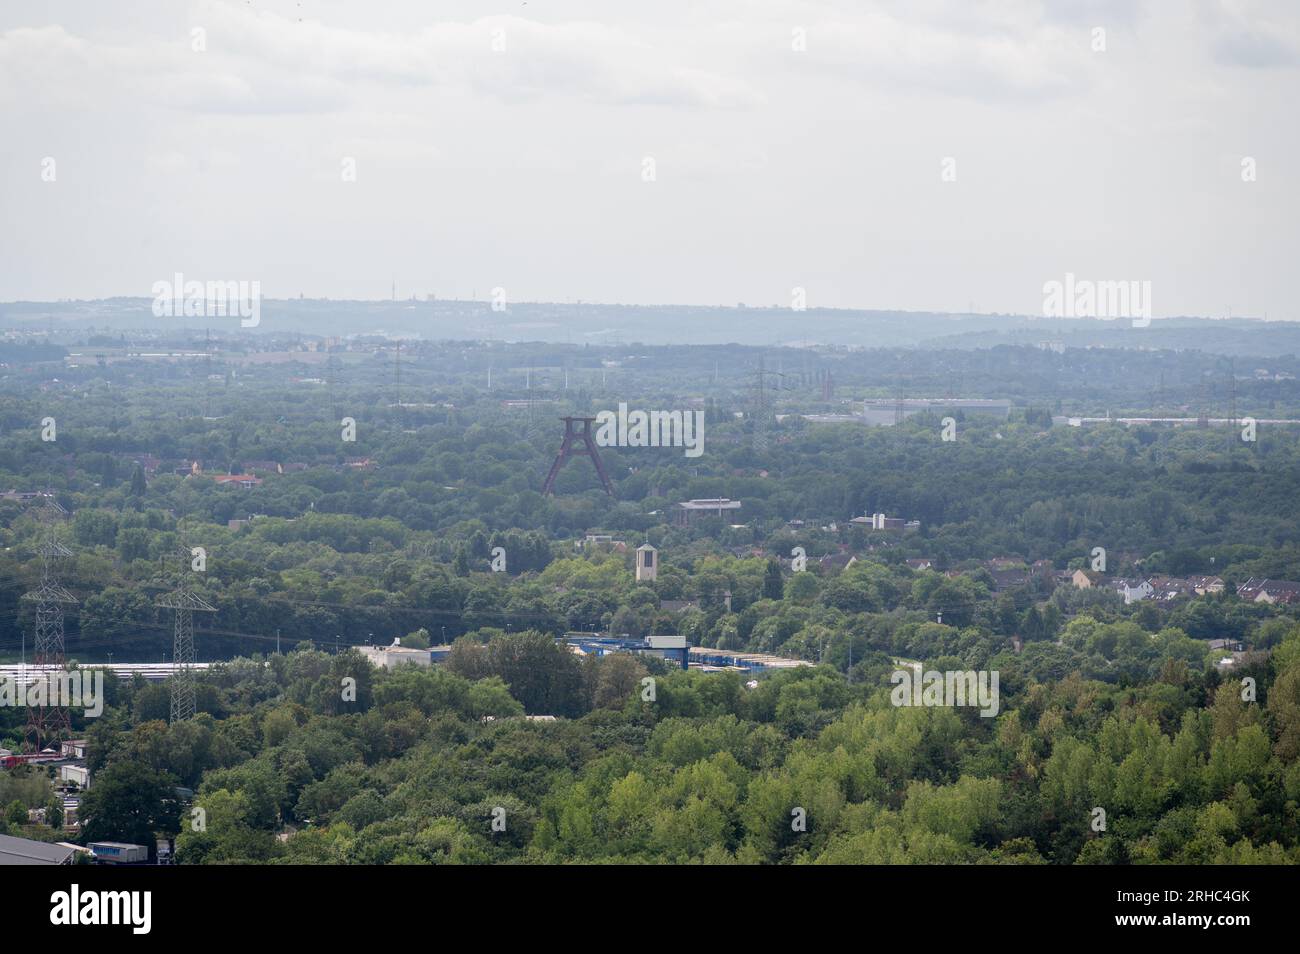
[(758, 436), (334, 382), (184, 604), (49, 722)]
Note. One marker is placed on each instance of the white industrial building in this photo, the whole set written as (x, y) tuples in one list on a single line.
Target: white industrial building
[(78, 775), (388, 657)]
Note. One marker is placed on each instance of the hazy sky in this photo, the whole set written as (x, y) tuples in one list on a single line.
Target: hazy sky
[(774, 167)]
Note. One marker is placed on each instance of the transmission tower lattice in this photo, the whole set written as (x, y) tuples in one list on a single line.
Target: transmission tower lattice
[(334, 383), (1233, 422), (184, 604), (397, 377), (49, 722), (759, 435)]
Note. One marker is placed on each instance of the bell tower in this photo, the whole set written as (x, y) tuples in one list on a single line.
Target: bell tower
[(647, 563)]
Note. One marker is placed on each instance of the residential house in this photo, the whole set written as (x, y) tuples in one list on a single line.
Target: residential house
[(837, 561), (1269, 591), (1085, 579), (1008, 579), (603, 540), (1167, 589), (1251, 589), (1003, 562), (1206, 585), (1131, 590)]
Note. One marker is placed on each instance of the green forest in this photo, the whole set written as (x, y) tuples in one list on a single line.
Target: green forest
[(419, 767), (1121, 737)]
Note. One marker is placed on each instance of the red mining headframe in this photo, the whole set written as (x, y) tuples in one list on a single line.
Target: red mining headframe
[(577, 443)]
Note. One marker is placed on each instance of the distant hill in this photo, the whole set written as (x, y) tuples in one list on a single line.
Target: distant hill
[(684, 324)]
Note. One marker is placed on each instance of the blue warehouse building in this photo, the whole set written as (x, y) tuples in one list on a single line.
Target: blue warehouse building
[(670, 648)]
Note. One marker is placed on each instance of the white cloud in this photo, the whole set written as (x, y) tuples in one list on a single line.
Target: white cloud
[(260, 62), (882, 51), (522, 168)]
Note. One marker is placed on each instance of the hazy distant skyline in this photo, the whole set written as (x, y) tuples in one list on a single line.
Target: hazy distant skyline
[(775, 168)]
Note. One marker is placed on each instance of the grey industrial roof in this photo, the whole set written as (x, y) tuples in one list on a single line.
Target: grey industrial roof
[(24, 851)]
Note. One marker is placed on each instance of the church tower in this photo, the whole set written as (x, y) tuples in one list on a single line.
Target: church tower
[(647, 563)]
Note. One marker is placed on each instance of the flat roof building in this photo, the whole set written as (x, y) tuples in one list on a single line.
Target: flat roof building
[(672, 649), (25, 851), (688, 511), (387, 657), (889, 411)]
